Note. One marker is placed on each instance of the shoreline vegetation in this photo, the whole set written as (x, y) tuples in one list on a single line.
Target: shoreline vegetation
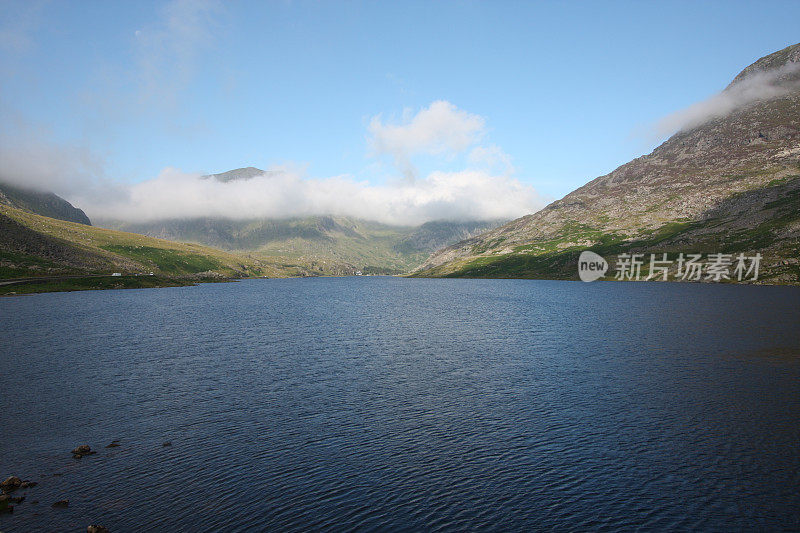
[(12, 287)]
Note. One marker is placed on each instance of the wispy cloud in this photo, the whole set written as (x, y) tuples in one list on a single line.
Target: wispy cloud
[(757, 86), (491, 157), (168, 50), (439, 129), (30, 157)]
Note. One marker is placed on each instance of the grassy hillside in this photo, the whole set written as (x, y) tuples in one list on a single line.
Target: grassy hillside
[(33, 246), (316, 245)]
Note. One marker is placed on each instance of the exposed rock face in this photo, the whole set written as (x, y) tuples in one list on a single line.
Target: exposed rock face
[(42, 203), (730, 183)]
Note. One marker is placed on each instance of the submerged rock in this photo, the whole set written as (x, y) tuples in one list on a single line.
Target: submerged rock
[(6, 500), (27, 484), (61, 504), (96, 529), (168, 443), (114, 444)]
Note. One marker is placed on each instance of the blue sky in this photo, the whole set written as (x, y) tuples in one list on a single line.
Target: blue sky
[(566, 91)]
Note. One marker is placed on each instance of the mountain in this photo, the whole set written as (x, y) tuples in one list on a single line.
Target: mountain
[(314, 245), (242, 174), (730, 184), (34, 246), (41, 203)]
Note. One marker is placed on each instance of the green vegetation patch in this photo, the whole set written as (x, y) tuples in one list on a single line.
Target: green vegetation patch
[(166, 260), (22, 265), (92, 283)]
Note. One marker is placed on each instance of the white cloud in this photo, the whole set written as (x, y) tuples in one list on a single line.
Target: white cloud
[(284, 192), (758, 86), (483, 190), (439, 129)]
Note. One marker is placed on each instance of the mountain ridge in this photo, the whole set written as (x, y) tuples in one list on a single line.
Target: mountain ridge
[(674, 195), (41, 203)]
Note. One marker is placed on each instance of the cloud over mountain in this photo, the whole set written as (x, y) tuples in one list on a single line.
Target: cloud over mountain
[(285, 192), (481, 187), (759, 85)]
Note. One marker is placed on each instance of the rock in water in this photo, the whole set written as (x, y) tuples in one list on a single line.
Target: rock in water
[(11, 483), (61, 504), (96, 529), (82, 450), (114, 444), (5, 500)]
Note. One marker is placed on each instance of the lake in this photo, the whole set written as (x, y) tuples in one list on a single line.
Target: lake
[(379, 403)]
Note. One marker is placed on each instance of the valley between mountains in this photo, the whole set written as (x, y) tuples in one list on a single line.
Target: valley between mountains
[(730, 184)]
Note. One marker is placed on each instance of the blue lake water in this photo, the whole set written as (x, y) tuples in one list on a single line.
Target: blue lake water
[(403, 404)]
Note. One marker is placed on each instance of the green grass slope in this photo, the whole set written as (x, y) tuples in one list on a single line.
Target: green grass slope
[(316, 245), (33, 246)]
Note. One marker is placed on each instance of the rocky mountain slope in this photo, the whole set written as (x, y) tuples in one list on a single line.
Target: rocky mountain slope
[(727, 185), (41, 203)]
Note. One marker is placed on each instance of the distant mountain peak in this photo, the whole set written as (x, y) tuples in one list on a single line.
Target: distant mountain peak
[(237, 174)]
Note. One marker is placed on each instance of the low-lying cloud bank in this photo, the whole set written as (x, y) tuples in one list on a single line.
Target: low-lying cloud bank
[(282, 193), (757, 86), (484, 188)]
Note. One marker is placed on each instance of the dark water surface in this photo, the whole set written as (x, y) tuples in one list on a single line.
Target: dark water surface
[(402, 404)]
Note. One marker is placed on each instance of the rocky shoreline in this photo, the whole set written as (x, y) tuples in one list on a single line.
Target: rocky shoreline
[(15, 490)]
